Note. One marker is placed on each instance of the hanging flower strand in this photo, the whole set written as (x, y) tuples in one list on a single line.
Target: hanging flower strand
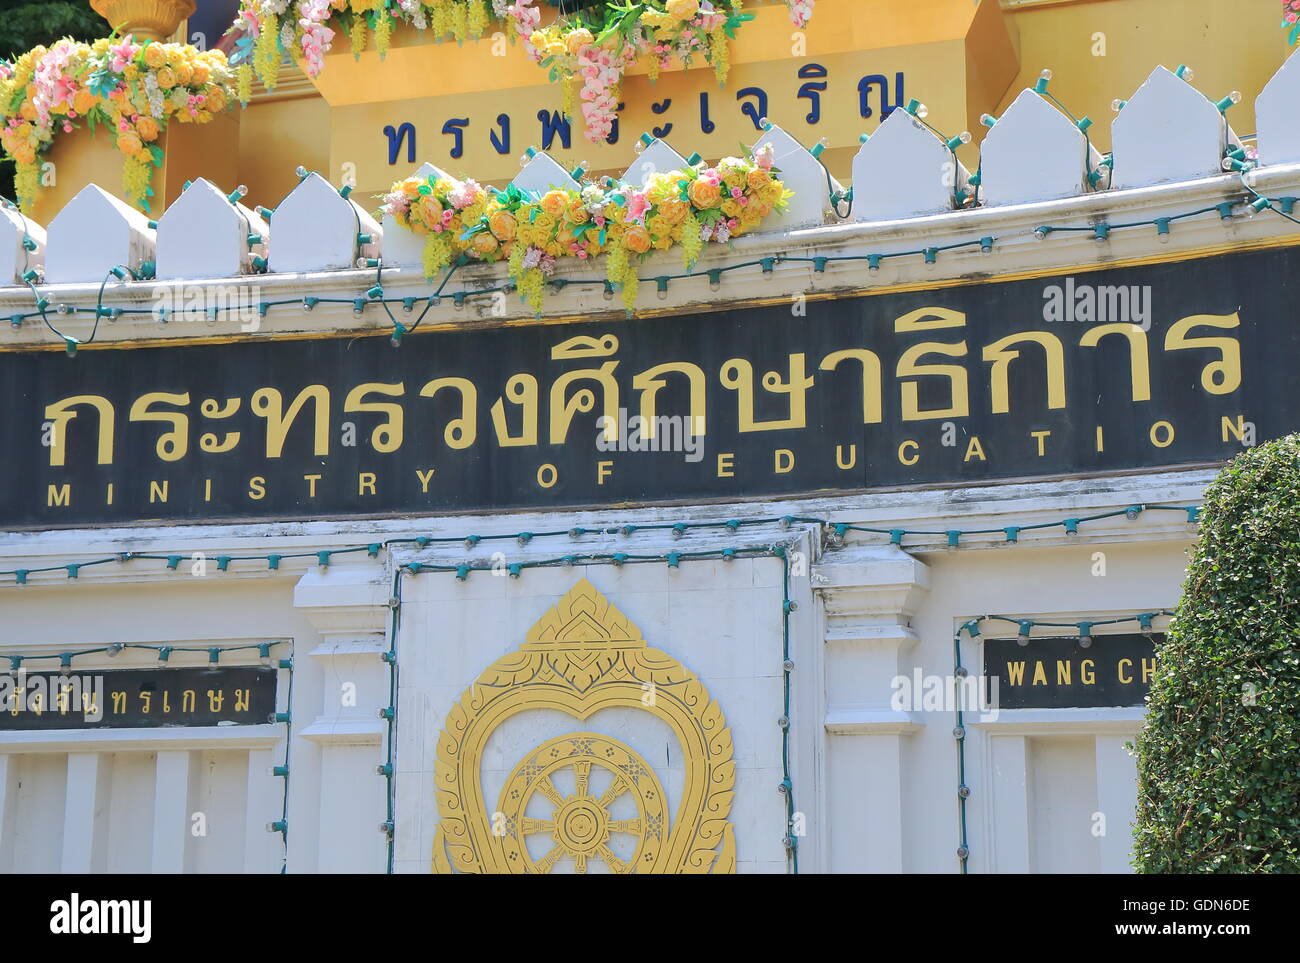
[(586, 53)]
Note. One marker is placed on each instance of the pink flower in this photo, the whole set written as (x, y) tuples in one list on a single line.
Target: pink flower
[(637, 205), (123, 54)]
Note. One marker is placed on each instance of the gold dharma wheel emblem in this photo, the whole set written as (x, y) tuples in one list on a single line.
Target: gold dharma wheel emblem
[(607, 778), (584, 796)]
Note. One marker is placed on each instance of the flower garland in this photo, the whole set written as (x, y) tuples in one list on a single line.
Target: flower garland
[(133, 89), (270, 28), (1291, 20), (587, 53), (684, 208)]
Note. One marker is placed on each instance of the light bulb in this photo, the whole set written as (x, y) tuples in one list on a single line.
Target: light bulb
[(964, 137), (300, 171), (1235, 96), (1117, 105), (922, 111), (1045, 74)]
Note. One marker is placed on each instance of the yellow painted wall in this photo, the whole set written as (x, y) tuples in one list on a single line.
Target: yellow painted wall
[(961, 59)]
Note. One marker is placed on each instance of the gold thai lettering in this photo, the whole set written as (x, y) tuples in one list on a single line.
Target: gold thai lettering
[(1000, 354), (211, 408), (1219, 377), (649, 383), (387, 435), (521, 390), (146, 702), (243, 699), (188, 700), (872, 390), (1139, 363), (216, 698), (268, 403), (959, 401), (172, 445), (932, 319), (61, 412), (738, 375), (563, 408), (460, 432), (119, 703)]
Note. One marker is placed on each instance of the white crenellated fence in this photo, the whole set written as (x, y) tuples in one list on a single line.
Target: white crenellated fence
[(1167, 132)]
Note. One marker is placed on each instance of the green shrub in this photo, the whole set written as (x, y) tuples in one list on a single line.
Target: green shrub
[(1219, 758)]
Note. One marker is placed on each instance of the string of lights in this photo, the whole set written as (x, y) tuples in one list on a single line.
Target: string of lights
[(19, 661), (674, 560), (1228, 210), (388, 769), (1024, 629), (837, 531)]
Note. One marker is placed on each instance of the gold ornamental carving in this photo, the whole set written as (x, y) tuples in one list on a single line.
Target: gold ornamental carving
[(583, 656)]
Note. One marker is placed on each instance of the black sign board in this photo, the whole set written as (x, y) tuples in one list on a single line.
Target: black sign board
[(1143, 367), (1060, 673), (138, 698)]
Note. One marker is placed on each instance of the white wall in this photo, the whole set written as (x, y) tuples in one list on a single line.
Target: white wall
[(876, 788)]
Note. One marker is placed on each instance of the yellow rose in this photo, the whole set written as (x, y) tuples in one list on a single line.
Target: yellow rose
[(429, 210), (155, 55), (502, 224), (128, 142), (759, 209), (216, 101), (734, 178), (771, 191), (553, 249), (410, 187), (682, 9), (731, 207), (27, 111), (147, 128), (577, 212), (704, 195), (484, 243), (166, 78), (659, 226), (673, 211), (758, 178), (544, 222), (83, 101), (555, 202), (637, 239), (663, 243), (577, 39), (203, 117), (200, 73)]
